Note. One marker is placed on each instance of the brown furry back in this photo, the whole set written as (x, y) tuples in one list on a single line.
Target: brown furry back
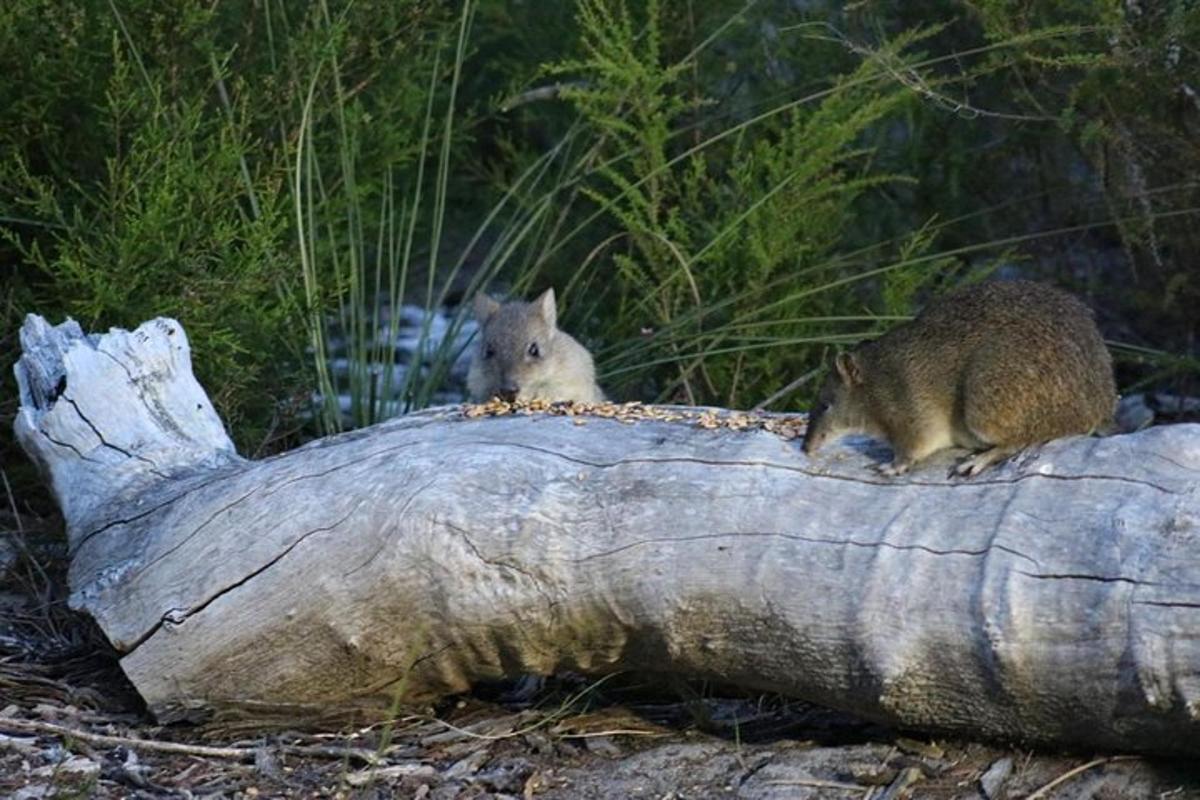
[(1013, 362)]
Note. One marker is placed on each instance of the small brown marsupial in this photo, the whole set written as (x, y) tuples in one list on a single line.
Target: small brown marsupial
[(993, 368)]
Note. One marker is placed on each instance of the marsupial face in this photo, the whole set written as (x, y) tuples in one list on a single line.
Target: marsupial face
[(516, 349), (838, 408)]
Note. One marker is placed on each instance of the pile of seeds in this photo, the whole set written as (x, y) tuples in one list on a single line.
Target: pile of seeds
[(786, 426)]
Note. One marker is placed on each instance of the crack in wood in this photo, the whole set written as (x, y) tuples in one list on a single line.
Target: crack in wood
[(70, 447), (217, 479), (1002, 514), (1167, 603), (751, 771), (105, 443), (270, 490), (158, 507), (399, 517), (132, 380), (537, 582), (975, 482), (406, 672), (1080, 576), (812, 540), (177, 616), (133, 576), (895, 518), (1172, 461)]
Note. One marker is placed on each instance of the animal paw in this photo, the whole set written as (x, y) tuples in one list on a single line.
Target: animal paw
[(969, 467), (893, 470), (972, 465)]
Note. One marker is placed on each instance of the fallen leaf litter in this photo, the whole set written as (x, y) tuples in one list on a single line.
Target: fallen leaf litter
[(784, 426)]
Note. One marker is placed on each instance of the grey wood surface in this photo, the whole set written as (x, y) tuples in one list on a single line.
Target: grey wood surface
[(1054, 599)]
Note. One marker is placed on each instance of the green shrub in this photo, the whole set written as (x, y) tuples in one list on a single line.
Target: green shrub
[(722, 278), (147, 163), (722, 193), (1075, 142)]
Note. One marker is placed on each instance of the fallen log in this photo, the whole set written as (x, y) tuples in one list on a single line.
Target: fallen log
[(1054, 599)]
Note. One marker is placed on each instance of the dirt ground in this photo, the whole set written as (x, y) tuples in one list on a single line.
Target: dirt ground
[(71, 727)]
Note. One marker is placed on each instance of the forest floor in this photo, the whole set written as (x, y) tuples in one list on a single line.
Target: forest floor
[(71, 726)]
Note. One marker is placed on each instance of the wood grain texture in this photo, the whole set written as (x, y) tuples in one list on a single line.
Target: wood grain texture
[(1054, 599)]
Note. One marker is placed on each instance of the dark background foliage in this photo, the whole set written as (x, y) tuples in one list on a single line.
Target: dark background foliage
[(722, 192)]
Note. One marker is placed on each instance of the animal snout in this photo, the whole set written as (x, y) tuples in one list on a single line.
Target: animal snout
[(507, 393)]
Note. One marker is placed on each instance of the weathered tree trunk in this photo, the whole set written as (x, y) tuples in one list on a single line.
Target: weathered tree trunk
[(1054, 599)]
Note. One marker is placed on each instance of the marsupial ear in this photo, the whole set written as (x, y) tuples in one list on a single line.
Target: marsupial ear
[(849, 367), (547, 307), (484, 307)]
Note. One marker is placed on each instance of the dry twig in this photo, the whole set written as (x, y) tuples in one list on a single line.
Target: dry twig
[(817, 784), (1071, 773), (178, 748)]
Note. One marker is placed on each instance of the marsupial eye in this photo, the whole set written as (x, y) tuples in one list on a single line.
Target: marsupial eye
[(534, 352), (489, 351)]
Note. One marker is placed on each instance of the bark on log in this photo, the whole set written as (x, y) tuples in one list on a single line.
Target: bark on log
[(1055, 599)]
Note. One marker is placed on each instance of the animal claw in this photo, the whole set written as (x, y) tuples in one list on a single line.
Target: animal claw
[(967, 468)]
